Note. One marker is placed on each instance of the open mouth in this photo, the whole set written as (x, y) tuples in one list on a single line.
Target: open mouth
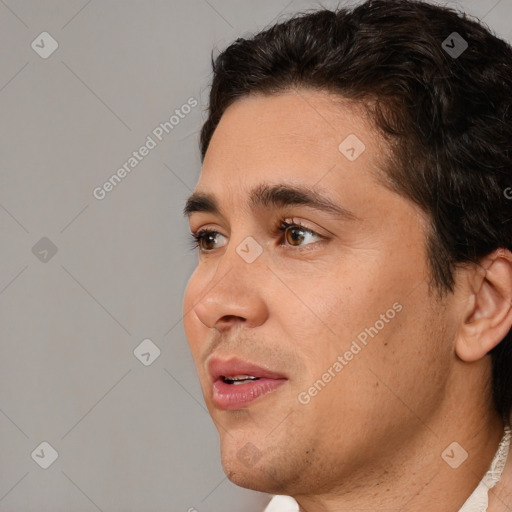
[(239, 379), (236, 383)]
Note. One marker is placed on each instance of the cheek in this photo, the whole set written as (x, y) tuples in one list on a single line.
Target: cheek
[(331, 309), (194, 329), (366, 316), (316, 321)]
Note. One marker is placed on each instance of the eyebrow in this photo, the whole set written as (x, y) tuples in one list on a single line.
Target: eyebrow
[(272, 196)]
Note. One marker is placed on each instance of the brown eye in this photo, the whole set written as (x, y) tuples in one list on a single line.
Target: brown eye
[(295, 235), (205, 240), (208, 240)]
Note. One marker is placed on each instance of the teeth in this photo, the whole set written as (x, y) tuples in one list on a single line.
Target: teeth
[(239, 379)]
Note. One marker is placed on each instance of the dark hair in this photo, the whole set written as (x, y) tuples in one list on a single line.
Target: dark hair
[(446, 117)]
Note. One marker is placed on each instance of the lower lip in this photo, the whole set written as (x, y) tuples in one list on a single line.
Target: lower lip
[(236, 396)]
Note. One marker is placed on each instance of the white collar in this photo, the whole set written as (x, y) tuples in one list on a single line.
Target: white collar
[(477, 502)]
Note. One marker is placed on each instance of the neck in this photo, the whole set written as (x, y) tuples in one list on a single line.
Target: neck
[(417, 478)]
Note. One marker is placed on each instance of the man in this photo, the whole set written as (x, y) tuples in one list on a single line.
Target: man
[(350, 314)]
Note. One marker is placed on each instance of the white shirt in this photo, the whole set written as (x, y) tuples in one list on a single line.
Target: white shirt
[(477, 502)]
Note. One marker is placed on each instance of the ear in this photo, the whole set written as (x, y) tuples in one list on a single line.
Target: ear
[(487, 317)]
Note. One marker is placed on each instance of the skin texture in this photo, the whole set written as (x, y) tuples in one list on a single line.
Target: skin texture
[(372, 438)]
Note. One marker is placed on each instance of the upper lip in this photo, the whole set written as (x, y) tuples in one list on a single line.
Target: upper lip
[(219, 368)]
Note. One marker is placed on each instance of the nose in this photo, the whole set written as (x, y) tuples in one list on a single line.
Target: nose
[(235, 294)]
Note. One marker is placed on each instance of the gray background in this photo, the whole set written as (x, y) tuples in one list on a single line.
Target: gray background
[(129, 437)]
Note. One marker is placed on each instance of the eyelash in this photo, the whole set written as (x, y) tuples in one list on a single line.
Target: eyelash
[(280, 228)]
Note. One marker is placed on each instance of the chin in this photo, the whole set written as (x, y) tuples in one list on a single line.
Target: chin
[(254, 478), (248, 467)]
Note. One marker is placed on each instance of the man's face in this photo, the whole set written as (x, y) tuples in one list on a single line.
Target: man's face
[(334, 319)]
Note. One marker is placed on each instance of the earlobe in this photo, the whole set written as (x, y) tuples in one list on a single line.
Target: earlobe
[(488, 315)]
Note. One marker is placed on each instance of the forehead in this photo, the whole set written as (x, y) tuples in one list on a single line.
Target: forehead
[(291, 124), (298, 137)]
